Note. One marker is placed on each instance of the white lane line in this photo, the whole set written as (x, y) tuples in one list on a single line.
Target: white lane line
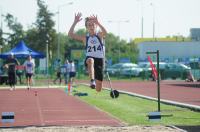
[(56, 121), (39, 110)]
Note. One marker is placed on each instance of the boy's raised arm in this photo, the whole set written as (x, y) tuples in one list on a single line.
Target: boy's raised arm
[(71, 33), (103, 31)]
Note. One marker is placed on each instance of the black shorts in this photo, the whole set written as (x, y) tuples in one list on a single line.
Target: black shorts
[(98, 67), (58, 74), (12, 78), (29, 75), (72, 74)]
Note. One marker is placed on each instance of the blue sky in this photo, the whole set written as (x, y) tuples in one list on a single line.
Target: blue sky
[(172, 17)]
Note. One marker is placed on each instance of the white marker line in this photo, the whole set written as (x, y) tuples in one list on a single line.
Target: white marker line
[(56, 121), (40, 111), (54, 110)]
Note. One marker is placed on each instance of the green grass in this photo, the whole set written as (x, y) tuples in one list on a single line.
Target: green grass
[(121, 78), (134, 110)]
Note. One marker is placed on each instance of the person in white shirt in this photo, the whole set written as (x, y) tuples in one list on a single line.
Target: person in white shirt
[(29, 66), (66, 71), (72, 75), (72, 72)]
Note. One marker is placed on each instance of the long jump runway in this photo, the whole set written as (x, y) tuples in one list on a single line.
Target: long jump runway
[(179, 91), (48, 107)]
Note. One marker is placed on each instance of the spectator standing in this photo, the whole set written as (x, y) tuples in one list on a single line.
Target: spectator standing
[(66, 71), (29, 66), (72, 73), (58, 73), (11, 63)]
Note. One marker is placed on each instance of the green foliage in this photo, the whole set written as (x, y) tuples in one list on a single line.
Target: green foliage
[(31, 38), (133, 51), (16, 28), (38, 35), (45, 31), (73, 44), (127, 49), (1, 38)]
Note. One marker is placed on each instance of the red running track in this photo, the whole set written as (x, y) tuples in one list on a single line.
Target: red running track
[(50, 107), (179, 91)]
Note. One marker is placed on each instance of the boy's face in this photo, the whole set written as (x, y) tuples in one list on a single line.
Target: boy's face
[(91, 27)]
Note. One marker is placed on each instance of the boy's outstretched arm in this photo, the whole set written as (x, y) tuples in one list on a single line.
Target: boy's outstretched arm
[(103, 31), (71, 33)]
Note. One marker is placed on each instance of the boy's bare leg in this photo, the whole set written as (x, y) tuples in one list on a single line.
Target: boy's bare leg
[(27, 82), (90, 65), (30, 82), (98, 85)]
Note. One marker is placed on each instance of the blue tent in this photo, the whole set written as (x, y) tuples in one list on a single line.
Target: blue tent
[(22, 51)]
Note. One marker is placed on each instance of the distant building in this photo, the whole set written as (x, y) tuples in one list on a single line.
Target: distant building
[(171, 51), (195, 34)]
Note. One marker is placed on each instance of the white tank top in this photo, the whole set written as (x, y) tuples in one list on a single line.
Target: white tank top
[(72, 67), (94, 47), (29, 66)]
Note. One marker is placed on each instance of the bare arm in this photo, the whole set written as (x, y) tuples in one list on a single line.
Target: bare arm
[(17, 62), (71, 33), (103, 31)]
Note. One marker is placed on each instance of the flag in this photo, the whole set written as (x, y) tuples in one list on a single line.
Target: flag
[(153, 68)]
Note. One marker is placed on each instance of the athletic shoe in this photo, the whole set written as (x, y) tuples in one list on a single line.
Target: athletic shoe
[(92, 84), (11, 89)]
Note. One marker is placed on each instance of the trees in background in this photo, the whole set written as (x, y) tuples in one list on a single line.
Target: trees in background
[(116, 49), (42, 32), (45, 32), (16, 30)]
